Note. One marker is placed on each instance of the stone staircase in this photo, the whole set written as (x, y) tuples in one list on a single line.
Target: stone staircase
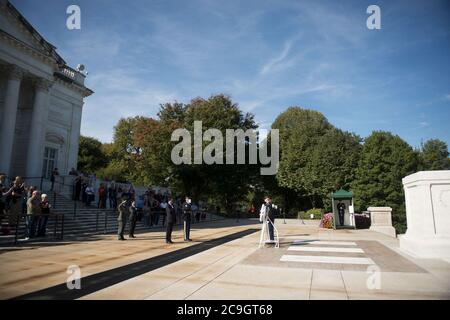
[(79, 222)]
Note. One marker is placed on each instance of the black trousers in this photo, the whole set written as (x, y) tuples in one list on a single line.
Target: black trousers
[(121, 229), (341, 217), (133, 219), (187, 229), (271, 233), (169, 231)]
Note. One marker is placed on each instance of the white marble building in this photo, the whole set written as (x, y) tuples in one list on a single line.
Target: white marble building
[(41, 101)]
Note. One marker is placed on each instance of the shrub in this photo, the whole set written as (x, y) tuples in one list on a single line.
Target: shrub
[(327, 221), (315, 211)]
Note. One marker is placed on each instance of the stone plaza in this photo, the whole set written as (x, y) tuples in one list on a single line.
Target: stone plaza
[(224, 262), (41, 106)]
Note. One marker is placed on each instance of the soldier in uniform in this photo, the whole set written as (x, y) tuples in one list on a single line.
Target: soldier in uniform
[(123, 215), (341, 212)]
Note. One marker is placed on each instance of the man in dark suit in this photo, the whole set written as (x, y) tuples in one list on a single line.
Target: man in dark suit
[(187, 211), (133, 218), (171, 214)]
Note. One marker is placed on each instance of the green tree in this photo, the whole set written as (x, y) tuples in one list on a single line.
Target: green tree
[(90, 155), (385, 160), (221, 184), (332, 165), (434, 155), (122, 152), (315, 157)]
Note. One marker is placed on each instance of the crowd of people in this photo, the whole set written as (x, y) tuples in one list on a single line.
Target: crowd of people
[(153, 207), (16, 199)]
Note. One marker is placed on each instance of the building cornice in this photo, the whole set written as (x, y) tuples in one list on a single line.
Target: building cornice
[(19, 44), (15, 16), (85, 92), (63, 74)]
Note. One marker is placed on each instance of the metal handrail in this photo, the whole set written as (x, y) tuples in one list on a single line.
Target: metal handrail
[(37, 215)]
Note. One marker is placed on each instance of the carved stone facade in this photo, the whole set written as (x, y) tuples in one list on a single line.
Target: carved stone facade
[(41, 101), (427, 199)]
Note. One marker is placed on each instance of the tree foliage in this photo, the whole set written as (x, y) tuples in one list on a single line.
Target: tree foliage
[(385, 160), (90, 155), (315, 157), (434, 155), (202, 181)]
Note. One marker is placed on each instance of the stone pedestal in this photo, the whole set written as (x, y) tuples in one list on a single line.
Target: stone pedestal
[(427, 195), (381, 220)]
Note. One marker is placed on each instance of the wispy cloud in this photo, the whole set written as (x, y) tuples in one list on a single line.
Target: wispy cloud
[(277, 61), (267, 55), (120, 94)]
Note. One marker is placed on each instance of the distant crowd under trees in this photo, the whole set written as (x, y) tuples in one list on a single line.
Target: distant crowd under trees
[(316, 158)]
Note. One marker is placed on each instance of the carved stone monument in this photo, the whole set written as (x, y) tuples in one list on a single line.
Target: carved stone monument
[(427, 195)]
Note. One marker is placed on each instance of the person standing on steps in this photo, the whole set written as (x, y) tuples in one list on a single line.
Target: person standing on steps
[(33, 212), (187, 212), (112, 195), (123, 209), (102, 194), (77, 187), (43, 218), (90, 195), (16, 198), (55, 173)]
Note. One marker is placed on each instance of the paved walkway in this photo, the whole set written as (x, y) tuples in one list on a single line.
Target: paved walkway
[(224, 262)]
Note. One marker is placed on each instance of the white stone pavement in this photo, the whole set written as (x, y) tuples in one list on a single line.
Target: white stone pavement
[(311, 263)]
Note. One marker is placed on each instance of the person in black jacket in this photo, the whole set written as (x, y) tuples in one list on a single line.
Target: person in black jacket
[(187, 211), (133, 218), (171, 218)]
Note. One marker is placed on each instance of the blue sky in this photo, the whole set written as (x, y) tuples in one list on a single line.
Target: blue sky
[(267, 55)]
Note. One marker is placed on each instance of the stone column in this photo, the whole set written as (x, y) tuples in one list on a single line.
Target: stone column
[(8, 125), (74, 136), (427, 195), (37, 129), (381, 220)]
